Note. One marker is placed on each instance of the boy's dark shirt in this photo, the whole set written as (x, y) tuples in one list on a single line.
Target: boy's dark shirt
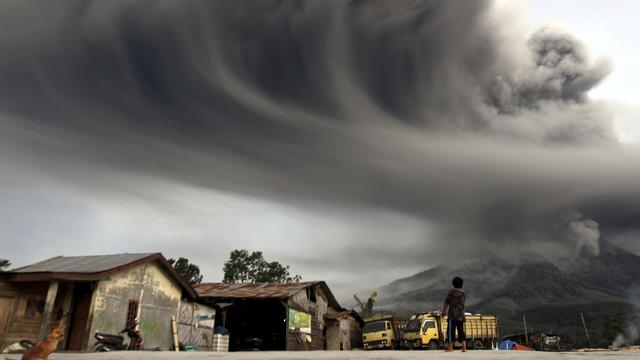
[(455, 300)]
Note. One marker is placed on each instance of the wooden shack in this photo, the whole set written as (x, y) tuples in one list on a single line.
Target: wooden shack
[(94, 293), (294, 316)]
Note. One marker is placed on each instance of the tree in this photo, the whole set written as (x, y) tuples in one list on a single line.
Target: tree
[(190, 272), (613, 325), (4, 263), (366, 309), (244, 267)]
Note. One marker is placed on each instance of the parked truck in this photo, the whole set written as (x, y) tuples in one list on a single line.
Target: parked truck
[(429, 331), (381, 332)]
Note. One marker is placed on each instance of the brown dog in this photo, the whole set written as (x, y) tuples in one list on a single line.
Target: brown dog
[(46, 346)]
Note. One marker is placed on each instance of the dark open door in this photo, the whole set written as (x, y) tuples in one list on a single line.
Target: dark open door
[(81, 305), (6, 310)]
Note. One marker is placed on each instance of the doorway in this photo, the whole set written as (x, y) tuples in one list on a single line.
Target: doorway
[(80, 308), (257, 324)]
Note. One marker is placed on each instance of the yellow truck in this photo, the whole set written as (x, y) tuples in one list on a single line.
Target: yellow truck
[(381, 332), (429, 331)]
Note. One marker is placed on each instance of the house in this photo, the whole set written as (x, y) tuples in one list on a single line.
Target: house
[(293, 316), (99, 293)]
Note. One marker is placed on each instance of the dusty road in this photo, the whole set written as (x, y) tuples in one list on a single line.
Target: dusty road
[(336, 355)]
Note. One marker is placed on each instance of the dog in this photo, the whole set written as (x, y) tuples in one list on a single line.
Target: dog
[(43, 349)]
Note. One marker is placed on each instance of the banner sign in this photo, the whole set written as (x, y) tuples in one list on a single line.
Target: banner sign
[(299, 321)]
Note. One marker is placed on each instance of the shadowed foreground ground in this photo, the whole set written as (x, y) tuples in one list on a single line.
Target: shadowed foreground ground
[(377, 355)]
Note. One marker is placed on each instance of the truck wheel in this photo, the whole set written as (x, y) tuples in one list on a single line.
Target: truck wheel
[(433, 345), (477, 345)]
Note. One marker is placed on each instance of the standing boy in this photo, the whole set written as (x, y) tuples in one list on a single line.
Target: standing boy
[(455, 302)]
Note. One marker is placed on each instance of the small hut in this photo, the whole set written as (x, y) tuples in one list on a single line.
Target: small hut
[(99, 293), (294, 316)]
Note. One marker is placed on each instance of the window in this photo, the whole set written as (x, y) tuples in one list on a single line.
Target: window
[(413, 326), (132, 312), (311, 294), (429, 324), (375, 326)]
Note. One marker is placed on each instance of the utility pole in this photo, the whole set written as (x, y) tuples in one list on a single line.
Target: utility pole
[(584, 324), (526, 335)]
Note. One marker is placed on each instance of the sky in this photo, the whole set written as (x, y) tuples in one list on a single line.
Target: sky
[(357, 142)]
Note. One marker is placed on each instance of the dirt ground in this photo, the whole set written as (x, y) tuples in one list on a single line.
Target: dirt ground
[(336, 355)]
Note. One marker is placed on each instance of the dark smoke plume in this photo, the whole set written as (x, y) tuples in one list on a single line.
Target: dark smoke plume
[(432, 109)]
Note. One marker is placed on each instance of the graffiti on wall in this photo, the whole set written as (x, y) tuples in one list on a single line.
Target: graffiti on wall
[(205, 321)]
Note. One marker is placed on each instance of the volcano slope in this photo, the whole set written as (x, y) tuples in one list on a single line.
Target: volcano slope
[(603, 288)]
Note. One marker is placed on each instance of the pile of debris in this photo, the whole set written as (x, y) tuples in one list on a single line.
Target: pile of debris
[(619, 348)]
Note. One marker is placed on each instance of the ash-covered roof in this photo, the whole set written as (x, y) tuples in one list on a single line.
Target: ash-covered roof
[(260, 291), (82, 264), (277, 291)]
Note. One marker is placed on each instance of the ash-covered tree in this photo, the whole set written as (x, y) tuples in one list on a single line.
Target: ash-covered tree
[(251, 267), (4, 263), (190, 272), (366, 308), (614, 325)]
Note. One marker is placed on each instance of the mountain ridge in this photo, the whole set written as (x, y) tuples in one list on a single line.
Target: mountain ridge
[(555, 293)]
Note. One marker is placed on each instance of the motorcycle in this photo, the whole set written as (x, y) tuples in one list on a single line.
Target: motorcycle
[(112, 342)]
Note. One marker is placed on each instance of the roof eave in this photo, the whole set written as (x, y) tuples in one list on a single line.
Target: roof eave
[(55, 276)]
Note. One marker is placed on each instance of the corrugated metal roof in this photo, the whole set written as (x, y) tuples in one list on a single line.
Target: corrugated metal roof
[(223, 290), (81, 264)]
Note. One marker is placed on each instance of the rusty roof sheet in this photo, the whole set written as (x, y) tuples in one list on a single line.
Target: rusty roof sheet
[(81, 264), (261, 291), (277, 291)]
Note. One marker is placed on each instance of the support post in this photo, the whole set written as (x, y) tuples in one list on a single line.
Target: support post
[(174, 330), (66, 311), (47, 314), (66, 303)]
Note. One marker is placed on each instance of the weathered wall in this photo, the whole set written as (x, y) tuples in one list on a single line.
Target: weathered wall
[(26, 317), (333, 334), (195, 325), (355, 334), (345, 334), (317, 309), (338, 335), (159, 298), (317, 321)]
